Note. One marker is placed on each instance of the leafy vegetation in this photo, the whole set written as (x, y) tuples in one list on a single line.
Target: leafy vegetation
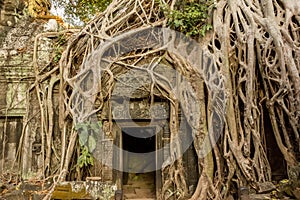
[(86, 158), (87, 142), (80, 11), (59, 48), (191, 19)]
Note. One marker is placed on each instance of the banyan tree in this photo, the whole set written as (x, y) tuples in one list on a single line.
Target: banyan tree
[(220, 78)]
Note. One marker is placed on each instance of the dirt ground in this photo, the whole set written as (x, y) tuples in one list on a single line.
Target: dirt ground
[(12, 188)]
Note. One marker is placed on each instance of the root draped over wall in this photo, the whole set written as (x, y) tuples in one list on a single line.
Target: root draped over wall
[(256, 49)]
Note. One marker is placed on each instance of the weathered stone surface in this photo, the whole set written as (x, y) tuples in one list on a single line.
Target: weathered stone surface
[(140, 109), (16, 64), (265, 187), (296, 193), (259, 196), (294, 174), (24, 191), (17, 44), (83, 190)]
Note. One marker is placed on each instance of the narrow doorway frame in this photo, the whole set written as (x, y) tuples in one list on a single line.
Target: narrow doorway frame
[(157, 125)]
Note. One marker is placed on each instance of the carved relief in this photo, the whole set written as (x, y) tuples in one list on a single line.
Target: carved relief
[(140, 109)]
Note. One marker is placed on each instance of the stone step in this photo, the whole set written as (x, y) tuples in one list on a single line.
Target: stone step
[(141, 184), (145, 192), (138, 196), (141, 181), (132, 188), (128, 190), (130, 196), (139, 187), (142, 199)]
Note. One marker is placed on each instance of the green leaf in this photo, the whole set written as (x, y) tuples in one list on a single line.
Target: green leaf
[(95, 127), (83, 137), (84, 150), (192, 19), (208, 27), (92, 143), (85, 158), (81, 161), (90, 160), (79, 126)]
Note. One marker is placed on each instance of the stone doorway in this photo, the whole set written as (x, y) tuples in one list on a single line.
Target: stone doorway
[(138, 162)]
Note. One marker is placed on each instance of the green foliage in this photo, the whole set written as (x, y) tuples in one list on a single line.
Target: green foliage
[(85, 158), (191, 19), (77, 12), (59, 48), (87, 141), (57, 56)]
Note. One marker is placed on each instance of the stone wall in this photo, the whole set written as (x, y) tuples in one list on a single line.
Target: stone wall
[(9, 12), (17, 41)]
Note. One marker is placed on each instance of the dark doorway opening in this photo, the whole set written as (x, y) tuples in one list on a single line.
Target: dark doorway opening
[(139, 139), (275, 157), (10, 134), (139, 160)]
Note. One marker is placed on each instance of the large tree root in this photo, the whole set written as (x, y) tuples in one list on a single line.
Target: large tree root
[(256, 48)]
